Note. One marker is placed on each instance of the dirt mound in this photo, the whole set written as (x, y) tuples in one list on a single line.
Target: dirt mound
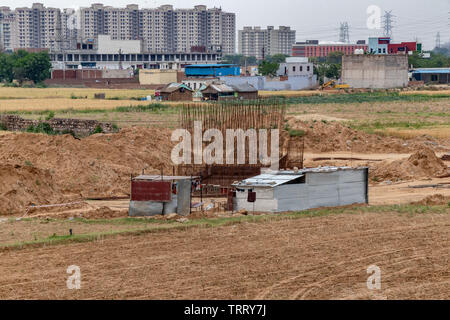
[(23, 186), (99, 165), (77, 210), (324, 136), (422, 164), (436, 199)]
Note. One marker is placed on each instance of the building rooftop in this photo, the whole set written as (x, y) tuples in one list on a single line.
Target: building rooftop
[(210, 65), (271, 179), (164, 178), (431, 70)]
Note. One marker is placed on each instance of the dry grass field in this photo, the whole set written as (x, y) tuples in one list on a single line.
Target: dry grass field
[(59, 104), (55, 93), (317, 254), (307, 257)]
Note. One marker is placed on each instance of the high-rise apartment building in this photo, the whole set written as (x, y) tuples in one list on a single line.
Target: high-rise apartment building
[(37, 27), (7, 28), (162, 29), (259, 43)]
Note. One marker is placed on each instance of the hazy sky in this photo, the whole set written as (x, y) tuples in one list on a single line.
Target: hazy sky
[(312, 19)]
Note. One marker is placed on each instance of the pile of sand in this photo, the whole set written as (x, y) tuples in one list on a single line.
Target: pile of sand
[(23, 185), (67, 168), (324, 136), (434, 200), (422, 164)]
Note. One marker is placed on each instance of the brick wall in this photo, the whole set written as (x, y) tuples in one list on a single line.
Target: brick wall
[(77, 126)]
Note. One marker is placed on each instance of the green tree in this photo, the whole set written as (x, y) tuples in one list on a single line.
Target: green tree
[(267, 68), (239, 59), (437, 60), (37, 67), (6, 67), (277, 58)]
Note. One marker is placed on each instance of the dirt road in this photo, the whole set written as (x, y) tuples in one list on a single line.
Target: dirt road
[(307, 258)]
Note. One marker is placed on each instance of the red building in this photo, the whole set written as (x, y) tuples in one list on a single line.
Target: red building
[(313, 48), (403, 47)]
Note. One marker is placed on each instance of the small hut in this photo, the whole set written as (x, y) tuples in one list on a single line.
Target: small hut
[(176, 92), (218, 91), (246, 91)]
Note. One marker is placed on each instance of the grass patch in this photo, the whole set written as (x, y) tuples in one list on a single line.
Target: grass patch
[(371, 97), (150, 108), (155, 226)]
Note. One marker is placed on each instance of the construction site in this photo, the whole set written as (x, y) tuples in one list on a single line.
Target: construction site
[(353, 187)]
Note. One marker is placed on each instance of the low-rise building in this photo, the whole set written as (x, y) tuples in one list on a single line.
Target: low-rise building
[(383, 45), (212, 70), (314, 48), (432, 75), (160, 195), (281, 191), (296, 66), (176, 92)]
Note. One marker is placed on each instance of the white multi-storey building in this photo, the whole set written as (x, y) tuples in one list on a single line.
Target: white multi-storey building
[(37, 27), (7, 27), (161, 30), (259, 43)]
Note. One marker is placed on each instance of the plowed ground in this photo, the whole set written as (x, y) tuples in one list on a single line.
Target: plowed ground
[(308, 258)]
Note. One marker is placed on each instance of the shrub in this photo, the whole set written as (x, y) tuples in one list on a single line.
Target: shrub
[(41, 128), (98, 129), (296, 133), (50, 116)]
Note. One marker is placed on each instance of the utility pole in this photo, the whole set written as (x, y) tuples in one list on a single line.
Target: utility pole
[(388, 23), (344, 35), (438, 40), (120, 59)]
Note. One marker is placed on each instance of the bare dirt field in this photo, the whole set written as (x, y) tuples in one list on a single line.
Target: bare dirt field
[(321, 254), (306, 258)]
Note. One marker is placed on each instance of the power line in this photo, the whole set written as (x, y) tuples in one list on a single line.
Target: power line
[(388, 23), (344, 35)]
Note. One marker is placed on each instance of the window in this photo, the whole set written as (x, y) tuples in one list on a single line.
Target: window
[(307, 68), (293, 68)]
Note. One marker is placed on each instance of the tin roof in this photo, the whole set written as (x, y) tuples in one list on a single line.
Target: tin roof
[(210, 65), (431, 70), (164, 178), (218, 87), (171, 87), (244, 87), (269, 180), (273, 179)]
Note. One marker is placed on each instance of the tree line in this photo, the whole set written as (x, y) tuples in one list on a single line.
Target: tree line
[(25, 66)]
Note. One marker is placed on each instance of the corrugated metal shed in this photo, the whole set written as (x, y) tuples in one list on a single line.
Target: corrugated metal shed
[(218, 87), (269, 180), (432, 70), (164, 178), (244, 87), (280, 191), (277, 178), (174, 87)]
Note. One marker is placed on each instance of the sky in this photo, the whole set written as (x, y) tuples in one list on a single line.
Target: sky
[(312, 19)]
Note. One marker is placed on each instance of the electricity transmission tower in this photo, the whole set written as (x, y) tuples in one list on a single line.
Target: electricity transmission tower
[(344, 35), (438, 40), (388, 23)]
